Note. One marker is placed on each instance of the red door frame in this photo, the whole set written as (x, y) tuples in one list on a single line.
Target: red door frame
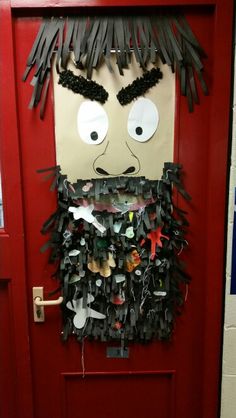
[(15, 368), (12, 267)]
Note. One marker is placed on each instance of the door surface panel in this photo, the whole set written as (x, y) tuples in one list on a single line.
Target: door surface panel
[(160, 379), (50, 357), (139, 394)]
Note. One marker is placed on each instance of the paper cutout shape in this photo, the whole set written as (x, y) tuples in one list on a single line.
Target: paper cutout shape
[(119, 278), (160, 293), (92, 122), (131, 216), (122, 207), (74, 253), (98, 282), (117, 226), (118, 299), (85, 212), (155, 237), (87, 186), (102, 267), (74, 278), (132, 261), (129, 233), (143, 120), (117, 325), (81, 314)]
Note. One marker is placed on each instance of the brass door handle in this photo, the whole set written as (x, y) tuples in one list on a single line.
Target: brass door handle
[(39, 303)]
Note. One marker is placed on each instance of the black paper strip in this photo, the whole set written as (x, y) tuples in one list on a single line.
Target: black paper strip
[(135, 286), (164, 35)]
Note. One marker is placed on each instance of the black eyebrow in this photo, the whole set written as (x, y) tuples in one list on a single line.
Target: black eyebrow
[(81, 85), (139, 86)]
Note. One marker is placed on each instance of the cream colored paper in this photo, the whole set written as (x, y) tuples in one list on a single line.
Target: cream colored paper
[(118, 151)]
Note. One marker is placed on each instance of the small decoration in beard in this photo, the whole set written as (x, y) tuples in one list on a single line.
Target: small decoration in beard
[(118, 241)]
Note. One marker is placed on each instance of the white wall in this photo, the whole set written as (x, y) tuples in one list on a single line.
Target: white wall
[(228, 400)]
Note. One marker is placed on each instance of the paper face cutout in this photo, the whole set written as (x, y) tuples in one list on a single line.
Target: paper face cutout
[(143, 120), (92, 122), (119, 154)]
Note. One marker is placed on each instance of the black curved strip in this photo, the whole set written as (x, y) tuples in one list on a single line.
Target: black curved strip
[(139, 86), (83, 86), (129, 170), (66, 46), (101, 171), (31, 57)]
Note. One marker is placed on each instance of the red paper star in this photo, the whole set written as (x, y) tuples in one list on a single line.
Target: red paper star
[(155, 238)]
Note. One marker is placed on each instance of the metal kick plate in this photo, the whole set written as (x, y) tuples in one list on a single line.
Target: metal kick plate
[(117, 352)]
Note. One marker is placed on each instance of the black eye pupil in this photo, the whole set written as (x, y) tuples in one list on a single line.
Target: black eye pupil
[(139, 130), (94, 136)]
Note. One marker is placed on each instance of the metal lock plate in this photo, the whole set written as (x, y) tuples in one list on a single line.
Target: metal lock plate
[(38, 310), (117, 352)]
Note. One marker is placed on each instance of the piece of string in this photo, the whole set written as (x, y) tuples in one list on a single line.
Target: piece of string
[(186, 293), (83, 340), (182, 246), (181, 249), (82, 356), (145, 291)]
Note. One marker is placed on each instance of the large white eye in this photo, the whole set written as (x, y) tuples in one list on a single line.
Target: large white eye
[(143, 120), (92, 122)]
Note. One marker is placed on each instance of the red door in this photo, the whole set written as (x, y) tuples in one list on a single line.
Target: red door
[(165, 380)]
